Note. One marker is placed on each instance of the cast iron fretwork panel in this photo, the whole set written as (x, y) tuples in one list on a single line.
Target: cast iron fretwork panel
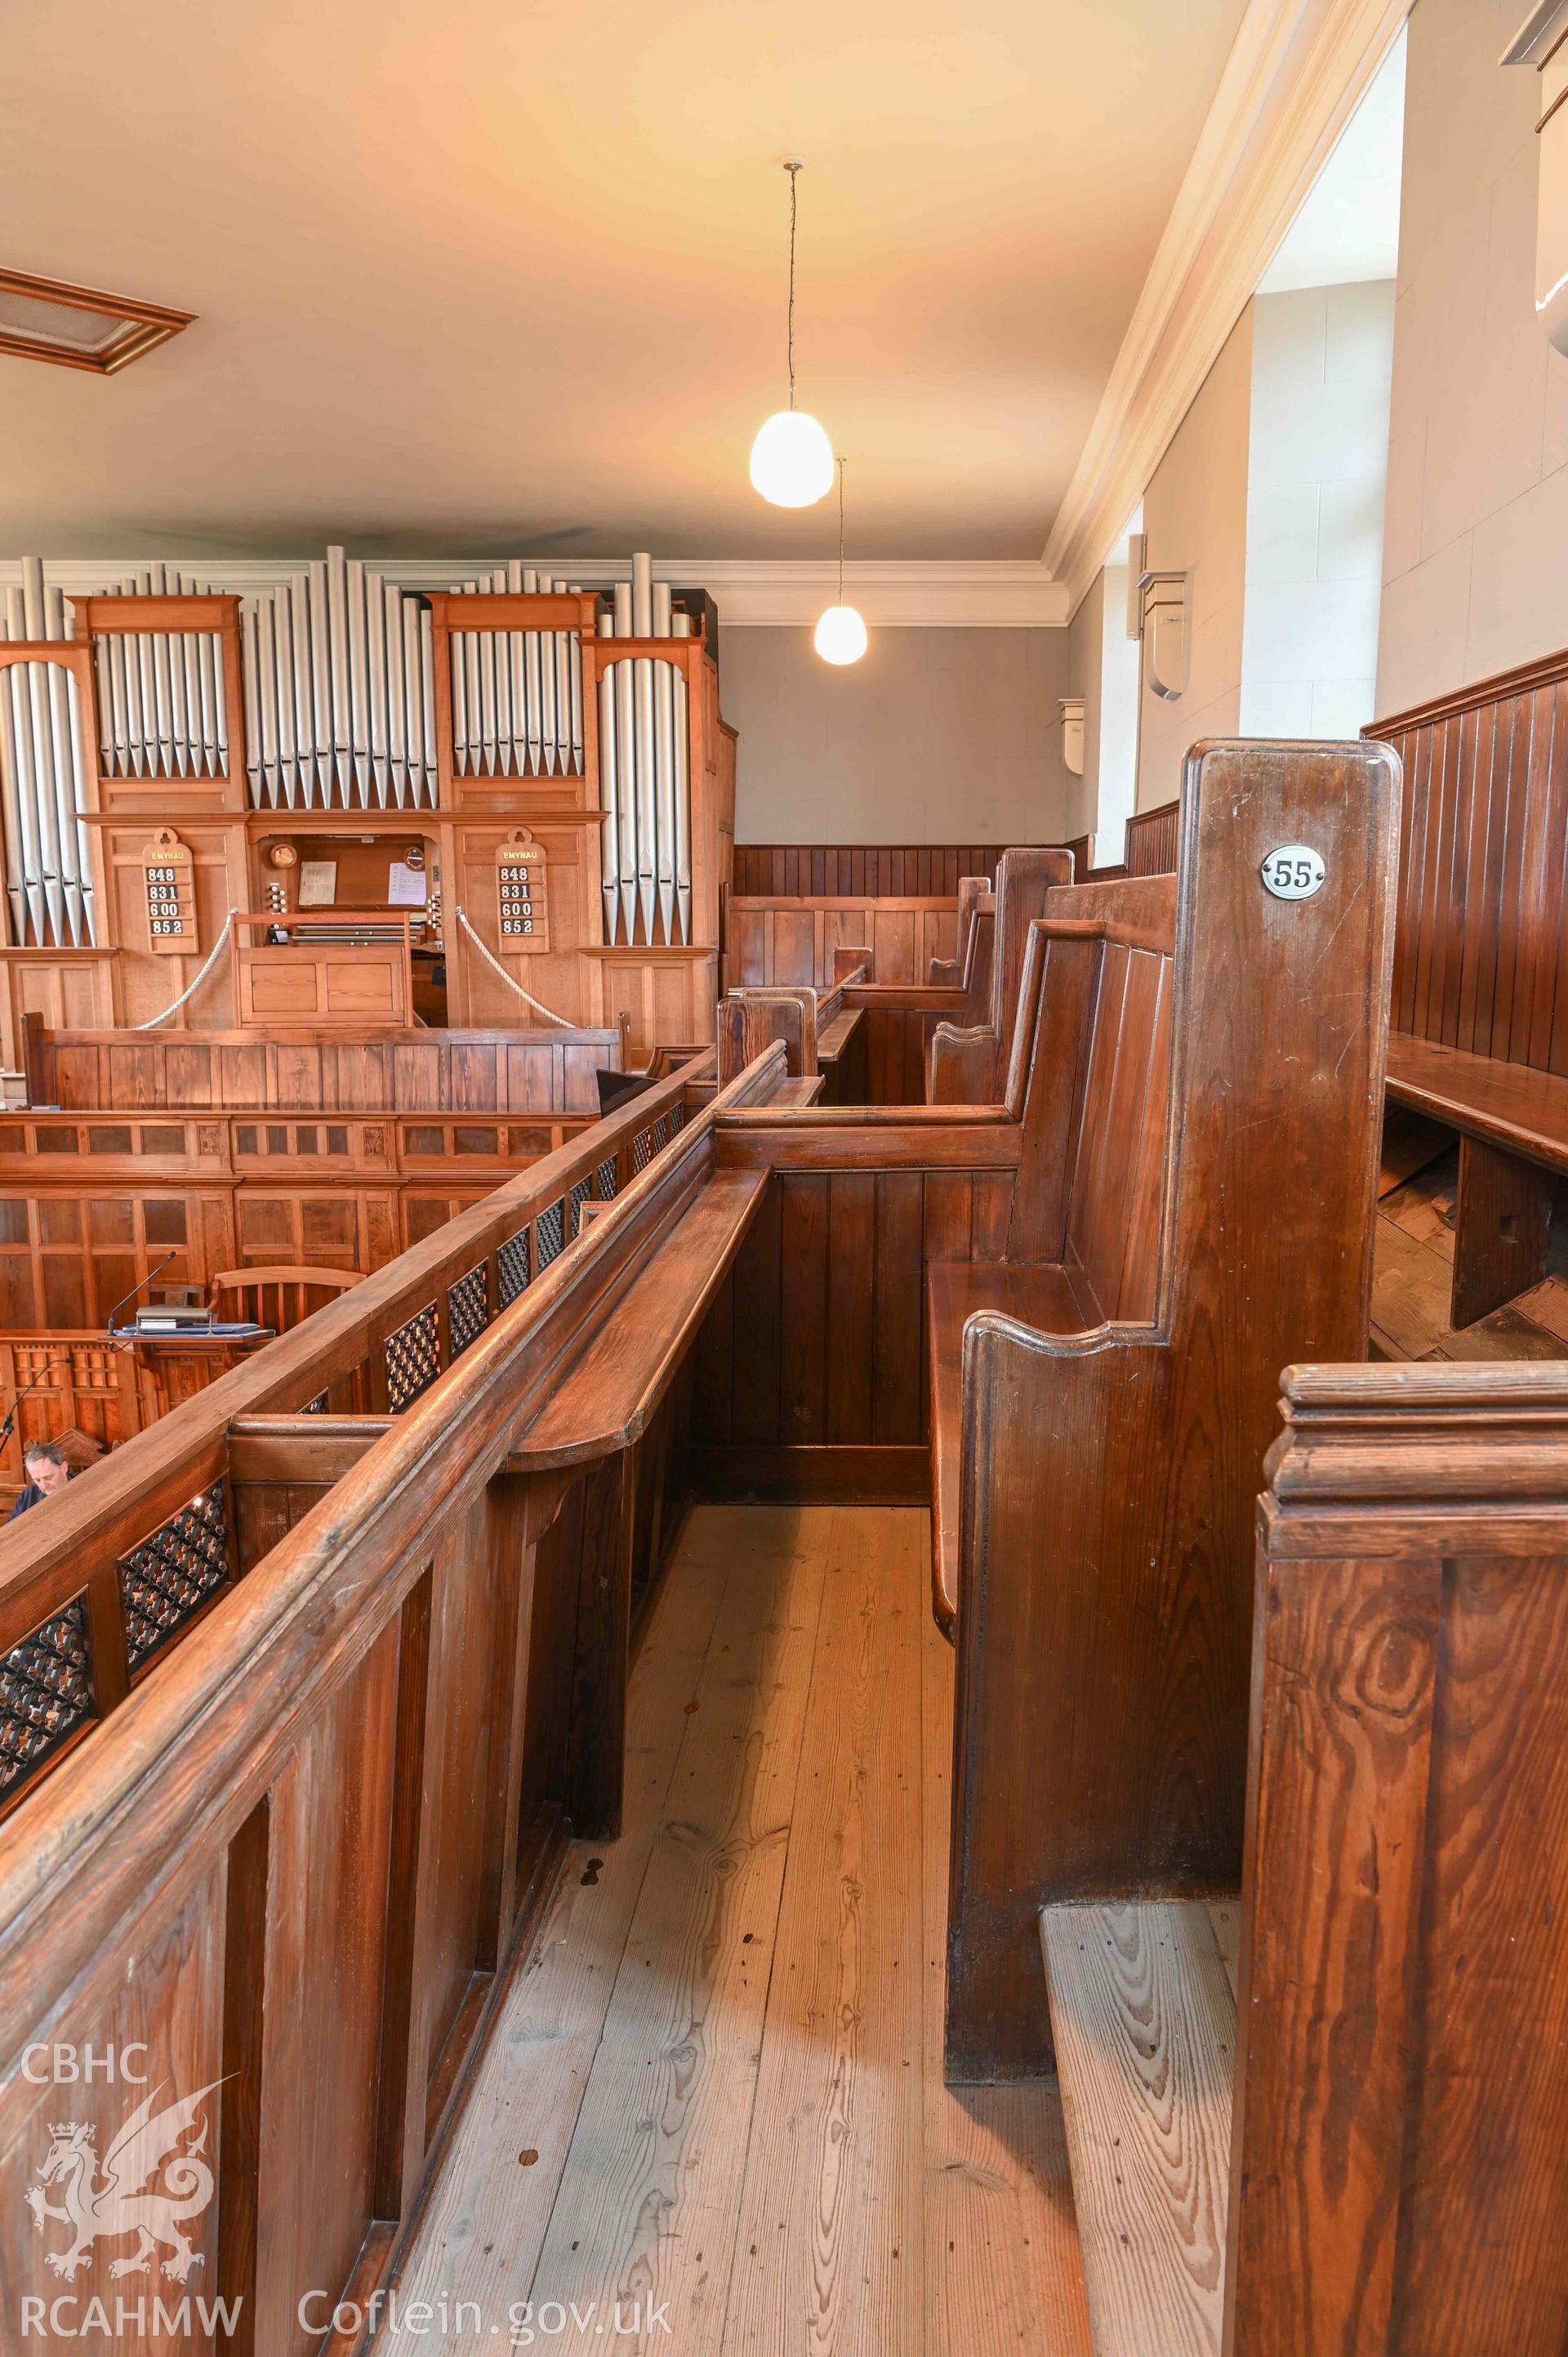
[(512, 1263), (677, 1116), (468, 1308), (661, 1133), (45, 1693), (641, 1150), (581, 1191), (607, 1179), (552, 1233), (414, 1359), (166, 1579)]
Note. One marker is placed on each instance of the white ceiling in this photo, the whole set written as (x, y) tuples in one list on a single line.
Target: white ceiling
[(1348, 227), (485, 276)]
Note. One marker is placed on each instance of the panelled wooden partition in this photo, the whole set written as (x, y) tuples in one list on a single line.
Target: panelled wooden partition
[(1480, 987), (789, 871), (1482, 956), (299, 1704), (368, 1070)]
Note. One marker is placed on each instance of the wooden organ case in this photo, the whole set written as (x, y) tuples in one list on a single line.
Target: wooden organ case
[(323, 809)]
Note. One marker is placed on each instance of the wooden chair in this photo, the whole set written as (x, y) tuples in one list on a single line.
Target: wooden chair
[(279, 1297), (968, 1065), (1193, 1209)]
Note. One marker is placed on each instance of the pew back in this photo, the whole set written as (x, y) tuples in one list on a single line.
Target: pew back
[(1108, 1467)]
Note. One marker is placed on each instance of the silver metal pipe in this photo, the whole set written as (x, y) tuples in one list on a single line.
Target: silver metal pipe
[(664, 767), (40, 729), (625, 742), (300, 601), (548, 736), (20, 697), (65, 724), (375, 602), (427, 702), (534, 692), (397, 718), (681, 628), (354, 717), (413, 735), (642, 723), (517, 669), (10, 810), (610, 838)]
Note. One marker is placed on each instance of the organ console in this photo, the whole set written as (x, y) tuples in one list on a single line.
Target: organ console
[(517, 796)]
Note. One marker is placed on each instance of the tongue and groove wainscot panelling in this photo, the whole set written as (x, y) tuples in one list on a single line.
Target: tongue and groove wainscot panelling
[(812, 1378)]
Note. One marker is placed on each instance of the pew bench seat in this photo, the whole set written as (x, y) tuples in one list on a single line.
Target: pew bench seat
[(1143, 2009), (798, 1095), (1041, 1296), (1513, 1144)]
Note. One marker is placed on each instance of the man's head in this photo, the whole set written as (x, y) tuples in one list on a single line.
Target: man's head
[(47, 1466)]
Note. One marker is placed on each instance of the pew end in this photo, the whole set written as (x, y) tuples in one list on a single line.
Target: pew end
[(1193, 1208), (1329, 2117)]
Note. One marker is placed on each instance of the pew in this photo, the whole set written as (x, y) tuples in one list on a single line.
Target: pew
[(1327, 2115), (967, 1066), (948, 973), (825, 1038), (1478, 1040), (1193, 1208)]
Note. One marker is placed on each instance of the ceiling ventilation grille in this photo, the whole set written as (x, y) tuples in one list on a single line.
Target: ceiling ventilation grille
[(76, 327)]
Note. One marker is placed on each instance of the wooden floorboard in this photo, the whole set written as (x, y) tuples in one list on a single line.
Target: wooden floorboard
[(722, 2058), (1144, 2015), (485, 2223), (1002, 2270), (646, 2211), (1412, 1272)]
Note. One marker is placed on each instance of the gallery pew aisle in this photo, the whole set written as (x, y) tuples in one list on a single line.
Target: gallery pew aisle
[(715, 2087)]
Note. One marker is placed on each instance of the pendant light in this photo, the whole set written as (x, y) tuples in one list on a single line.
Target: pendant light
[(791, 459), (840, 634)]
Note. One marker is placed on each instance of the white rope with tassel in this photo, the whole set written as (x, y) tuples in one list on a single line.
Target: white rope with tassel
[(154, 1020), (494, 963)]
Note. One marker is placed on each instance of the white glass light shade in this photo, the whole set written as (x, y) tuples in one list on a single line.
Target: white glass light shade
[(841, 635), (791, 460)]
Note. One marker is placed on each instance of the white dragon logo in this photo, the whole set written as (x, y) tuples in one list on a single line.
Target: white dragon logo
[(145, 2144)]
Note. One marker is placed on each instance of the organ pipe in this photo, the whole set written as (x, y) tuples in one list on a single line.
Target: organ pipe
[(336, 667)]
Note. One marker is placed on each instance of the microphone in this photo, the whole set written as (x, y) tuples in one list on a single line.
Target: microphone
[(8, 1422), (118, 1334)]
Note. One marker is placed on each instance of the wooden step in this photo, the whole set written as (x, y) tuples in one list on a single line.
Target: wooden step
[(1142, 2003)]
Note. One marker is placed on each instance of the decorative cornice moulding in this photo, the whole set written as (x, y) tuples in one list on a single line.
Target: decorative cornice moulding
[(995, 594), (1293, 79), (982, 594)]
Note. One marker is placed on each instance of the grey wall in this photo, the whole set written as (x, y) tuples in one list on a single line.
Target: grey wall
[(933, 736), (1475, 577)]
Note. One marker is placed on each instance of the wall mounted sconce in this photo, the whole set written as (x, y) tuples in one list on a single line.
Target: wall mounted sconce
[(1072, 732), (1539, 42), (1162, 626)]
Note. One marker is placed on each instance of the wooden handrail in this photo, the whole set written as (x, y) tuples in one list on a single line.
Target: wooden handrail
[(192, 1747)]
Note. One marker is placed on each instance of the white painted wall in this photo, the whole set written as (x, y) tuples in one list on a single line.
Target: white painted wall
[(1194, 517), (1316, 465), (940, 736), (1476, 554), (1085, 636)]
